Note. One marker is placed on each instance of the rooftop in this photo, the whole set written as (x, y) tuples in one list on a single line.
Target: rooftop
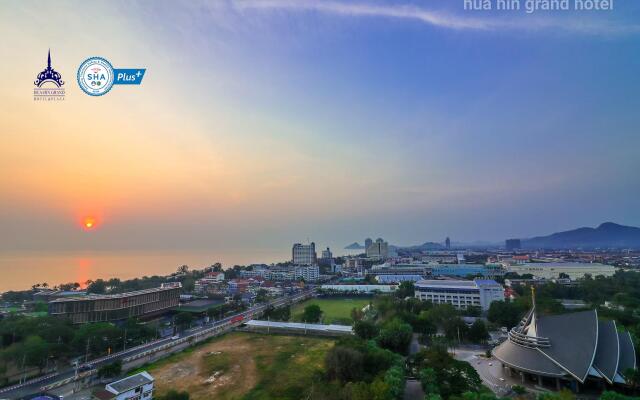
[(574, 345), (130, 382), (113, 296)]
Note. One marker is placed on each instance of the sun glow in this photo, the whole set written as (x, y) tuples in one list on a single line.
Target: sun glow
[(89, 223)]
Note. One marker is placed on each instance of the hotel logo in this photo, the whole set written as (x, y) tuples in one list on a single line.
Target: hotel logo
[(48, 84)]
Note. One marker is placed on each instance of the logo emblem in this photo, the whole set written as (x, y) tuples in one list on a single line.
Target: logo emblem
[(96, 76), (48, 84)]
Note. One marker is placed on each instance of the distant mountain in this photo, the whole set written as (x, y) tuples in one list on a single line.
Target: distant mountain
[(607, 235), (426, 246), (354, 246)]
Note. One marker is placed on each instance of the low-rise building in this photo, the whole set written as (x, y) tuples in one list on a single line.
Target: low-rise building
[(359, 288), (558, 269), (310, 273), (134, 387), (460, 294), (115, 307)]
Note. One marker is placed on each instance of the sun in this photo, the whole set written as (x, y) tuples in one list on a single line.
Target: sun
[(89, 223)]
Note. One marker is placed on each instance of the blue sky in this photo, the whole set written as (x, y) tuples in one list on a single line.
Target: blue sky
[(339, 120)]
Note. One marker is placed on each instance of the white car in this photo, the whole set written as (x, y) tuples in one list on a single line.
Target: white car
[(174, 337)]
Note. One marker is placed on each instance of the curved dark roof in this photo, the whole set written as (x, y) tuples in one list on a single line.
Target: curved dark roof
[(574, 338), (527, 359), (627, 353), (574, 344), (608, 352)]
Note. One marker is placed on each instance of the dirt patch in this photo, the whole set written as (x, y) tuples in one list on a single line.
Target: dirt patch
[(204, 379)]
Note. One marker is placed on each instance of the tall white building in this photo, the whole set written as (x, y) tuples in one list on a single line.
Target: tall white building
[(461, 294), (379, 248), (304, 254)]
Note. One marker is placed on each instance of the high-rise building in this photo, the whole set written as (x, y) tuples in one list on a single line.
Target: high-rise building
[(304, 254), (379, 249), (367, 242), (326, 254), (447, 243), (512, 244)]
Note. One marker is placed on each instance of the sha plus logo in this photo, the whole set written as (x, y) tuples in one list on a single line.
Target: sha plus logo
[(48, 84), (96, 76)]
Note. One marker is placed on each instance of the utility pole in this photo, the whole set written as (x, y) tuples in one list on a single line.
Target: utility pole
[(124, 345), (86, 354)]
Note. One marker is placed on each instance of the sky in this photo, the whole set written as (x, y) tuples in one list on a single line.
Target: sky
[(261, 123)]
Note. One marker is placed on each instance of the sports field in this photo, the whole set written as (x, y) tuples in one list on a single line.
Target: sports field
[(244, 366), (334, 310)]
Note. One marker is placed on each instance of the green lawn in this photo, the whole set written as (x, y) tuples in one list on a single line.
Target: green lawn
[(334, 311)]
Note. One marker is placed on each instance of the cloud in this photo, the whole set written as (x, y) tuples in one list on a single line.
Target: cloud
[(445, 20)]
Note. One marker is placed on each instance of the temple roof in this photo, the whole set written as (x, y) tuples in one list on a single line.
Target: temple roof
[(608, 352), (570, 345)]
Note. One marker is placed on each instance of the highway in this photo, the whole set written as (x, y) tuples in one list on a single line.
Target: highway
[(41, 383)]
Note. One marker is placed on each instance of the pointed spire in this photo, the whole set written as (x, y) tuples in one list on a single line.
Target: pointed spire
[(533, 297), (49, 59)]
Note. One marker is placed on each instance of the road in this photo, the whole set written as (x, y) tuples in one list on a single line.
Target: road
[(489, 369), (413, 390), (35, 385)]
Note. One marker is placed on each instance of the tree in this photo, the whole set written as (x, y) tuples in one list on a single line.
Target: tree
[(478, 332), (395, 336), (633, 378), (183, 319), (356, 314), (100, 337), (261, 296), (99, 286), (312, 313), (365, 329), (394, 378), (380, 389), (110, 370), (32, 352), (405, 289), (344, 364), (429, 381), (505, 313), (455, 329)]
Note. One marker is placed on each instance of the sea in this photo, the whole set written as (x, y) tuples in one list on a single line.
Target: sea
[(22, 270)]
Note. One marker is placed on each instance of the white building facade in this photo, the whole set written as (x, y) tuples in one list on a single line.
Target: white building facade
[(460, 294), (309, 273)]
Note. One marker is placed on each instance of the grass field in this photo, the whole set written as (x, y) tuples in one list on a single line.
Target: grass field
[(334, 311), (244, 366)]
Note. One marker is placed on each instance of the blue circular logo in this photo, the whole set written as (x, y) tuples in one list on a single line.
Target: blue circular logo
[(95, 76)]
